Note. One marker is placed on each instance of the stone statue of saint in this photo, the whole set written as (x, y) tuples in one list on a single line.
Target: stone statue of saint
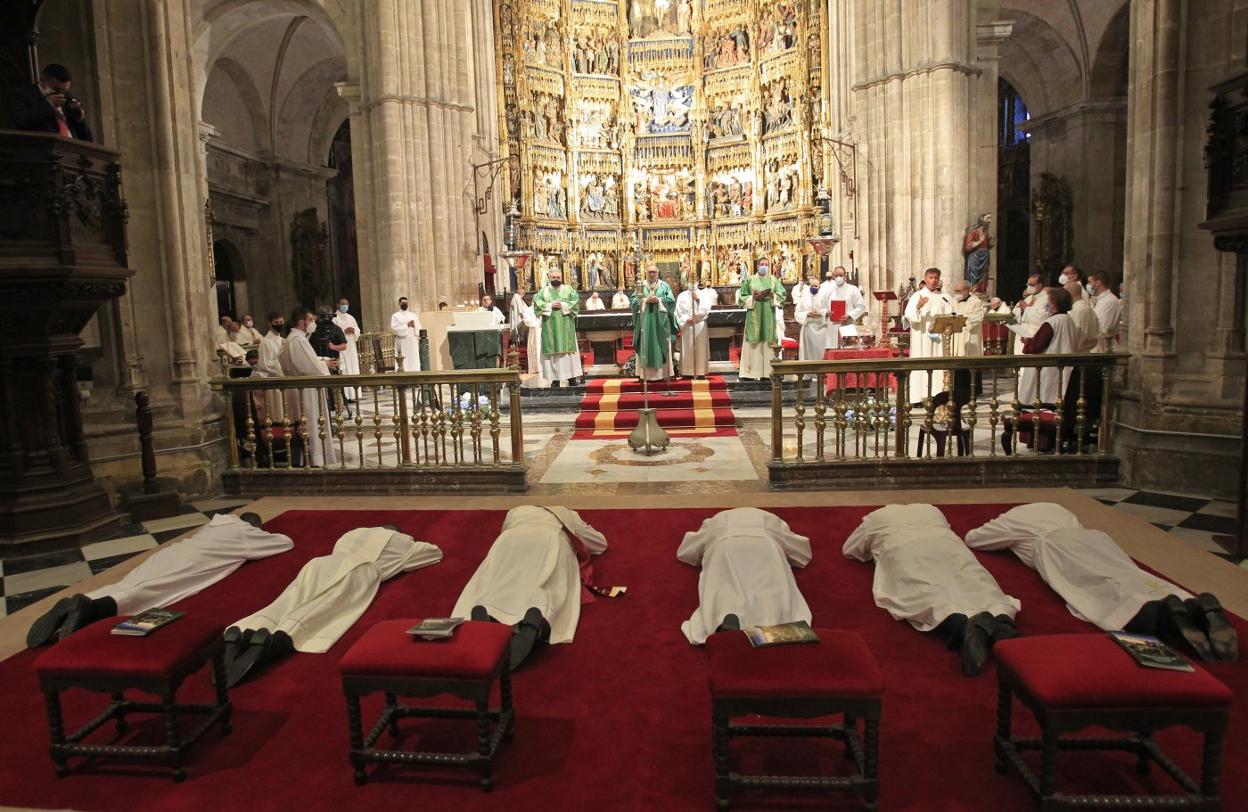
[(976, 246)]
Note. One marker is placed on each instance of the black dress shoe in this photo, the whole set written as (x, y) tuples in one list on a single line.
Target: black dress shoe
[(554, 384), (245, 661), (49, 623), (1177, 623), (1003, 628), (731, 623), (480, 615), (252, 519), (84, 611), (391, 527), (976, 643), (951, 629), (530, 631), (1207, 612)]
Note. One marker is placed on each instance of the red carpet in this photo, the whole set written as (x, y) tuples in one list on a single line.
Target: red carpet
[(619, 719), (694, 409)]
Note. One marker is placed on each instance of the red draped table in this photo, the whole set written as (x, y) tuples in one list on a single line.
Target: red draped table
[(859, 380)]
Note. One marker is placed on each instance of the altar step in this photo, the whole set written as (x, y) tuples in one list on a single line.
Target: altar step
[(610, 407)]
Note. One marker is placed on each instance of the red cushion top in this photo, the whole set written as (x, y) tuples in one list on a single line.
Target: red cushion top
[(1068, 671), (96, 651), (388, 650), (788, 343), (840, 664)]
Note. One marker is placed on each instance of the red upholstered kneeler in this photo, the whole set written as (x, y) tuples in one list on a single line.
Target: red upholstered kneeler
[(837, 675), (386, 659), (1074, 681), (94, 659)]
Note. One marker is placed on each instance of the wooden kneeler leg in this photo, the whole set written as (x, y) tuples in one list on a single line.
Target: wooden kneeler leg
[(1005, 717), (223, 692), (56, 727), (504, 690), (871, 769), (723, 780), (483, 744), (173, 734), (1211, 765), (356, 732)]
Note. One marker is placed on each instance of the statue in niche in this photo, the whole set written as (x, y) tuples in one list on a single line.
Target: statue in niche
[(977, 248), (778, 32), (541, 201), (661, 105), (727, 48), (659, 18), (509, 69), (779, 107), (607, 271), (539, 123), (641, 208), (594, 205), (684, 17), (593, 270), (612, 49), (611, 191), (788, 267)]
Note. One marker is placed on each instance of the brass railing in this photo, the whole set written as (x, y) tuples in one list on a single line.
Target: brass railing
[(848, 413), (440, 429)]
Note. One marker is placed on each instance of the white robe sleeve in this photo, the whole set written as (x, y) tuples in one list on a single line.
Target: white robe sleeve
[(304, 360), (855, 305), (594, 541), (398, 324), (796, 548)]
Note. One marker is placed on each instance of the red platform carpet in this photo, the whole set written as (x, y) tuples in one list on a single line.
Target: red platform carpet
[(617, 720), (694, 409)]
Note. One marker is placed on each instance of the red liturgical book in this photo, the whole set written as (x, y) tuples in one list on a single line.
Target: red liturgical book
[(837, 307)]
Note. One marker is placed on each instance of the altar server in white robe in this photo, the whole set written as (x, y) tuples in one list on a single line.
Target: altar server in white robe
[(1029, 310), (1108, 308), (923, 307), (693, 306), (487, 306), (1087, 329), (1100, 583), (348, 359), (620, 300), (174, 572), (970, 341), (406, 328), (595, 302), (839, 289), (1057, 335), (810, 308), (747, 557), (927, 577), (278, 404), (298, 358), (327, 597), (533, 575)]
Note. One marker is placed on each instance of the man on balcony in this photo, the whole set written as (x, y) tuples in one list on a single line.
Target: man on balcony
[(48, 106)]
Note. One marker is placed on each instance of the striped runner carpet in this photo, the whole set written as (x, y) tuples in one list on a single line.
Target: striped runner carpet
[(693, 409)]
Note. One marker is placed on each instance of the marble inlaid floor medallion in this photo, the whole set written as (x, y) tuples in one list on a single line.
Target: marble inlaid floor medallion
[(707, 458)]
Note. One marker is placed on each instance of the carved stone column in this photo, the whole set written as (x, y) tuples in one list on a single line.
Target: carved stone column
[(62, 255)]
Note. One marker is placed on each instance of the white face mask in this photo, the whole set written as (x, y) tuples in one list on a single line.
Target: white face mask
[(763, 270), (1091, 290), (838, 280), (1063, 279)]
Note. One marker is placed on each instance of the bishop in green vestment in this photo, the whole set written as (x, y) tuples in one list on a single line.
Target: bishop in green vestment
[(557, 305), (760, 295), (654, 322)]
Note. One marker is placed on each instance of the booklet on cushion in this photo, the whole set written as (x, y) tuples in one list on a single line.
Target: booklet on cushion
[(798, 631), (1151, 652), (435, 628), (146, 622)]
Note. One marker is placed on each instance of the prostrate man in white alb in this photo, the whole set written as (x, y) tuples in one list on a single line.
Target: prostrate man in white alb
[(1108, 309), (693, 306), (838, 289), (406, 328), (298, 358), (325, 599), (971, 340), (533, 576), (747, 557), (487, 306), (926, 576), (348, 359), (1029, 311), (1101, 584), (810, 309), (923, 307), (170, 574)]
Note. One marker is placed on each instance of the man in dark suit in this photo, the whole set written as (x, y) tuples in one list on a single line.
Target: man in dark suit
[(49, 106)]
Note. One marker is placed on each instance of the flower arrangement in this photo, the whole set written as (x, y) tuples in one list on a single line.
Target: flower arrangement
[(466, 405)]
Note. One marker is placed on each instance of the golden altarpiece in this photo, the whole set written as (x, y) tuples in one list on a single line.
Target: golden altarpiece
[(683, 131)]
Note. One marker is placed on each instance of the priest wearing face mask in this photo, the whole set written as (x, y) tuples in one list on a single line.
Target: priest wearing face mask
[(970, 341), (249, 335), (406, 328), (760, 295), (654, 322), (557, 305), (1030, 309), (1071, 273), (837, 289), (1108, 309), (298, 358), (348, 359), (922, 309)]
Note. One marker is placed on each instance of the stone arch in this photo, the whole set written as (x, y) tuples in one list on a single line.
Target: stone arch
[(1041, 64), (1109, 74), (253, 106), (307, 112)]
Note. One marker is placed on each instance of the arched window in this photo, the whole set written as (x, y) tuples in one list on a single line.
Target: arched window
[(1011, 114)]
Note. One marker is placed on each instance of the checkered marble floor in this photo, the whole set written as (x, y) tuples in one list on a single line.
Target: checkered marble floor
[(25, 580), (1202, 523)]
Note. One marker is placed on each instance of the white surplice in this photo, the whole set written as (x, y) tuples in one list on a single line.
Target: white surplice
[(499, 319), (855, 308), (406, 339), (1033, 315), (923, 572), (924, 342), (970, 341), (1108, 308), (1087, 328), (620, 301), (532, 563), (298, 358), (695, 338), (818, 334), (277, 404), (185, 568), (1099, 582), (1065, 338), (595, 302), (746, 555), (348, 359), (331, 591)]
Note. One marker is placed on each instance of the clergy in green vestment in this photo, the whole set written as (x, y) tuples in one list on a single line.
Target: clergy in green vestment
[(654, 321), (760, 295), (557, 304)]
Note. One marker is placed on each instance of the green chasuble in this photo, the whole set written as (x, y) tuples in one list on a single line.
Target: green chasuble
[(760, 316), (558, 326), (653, 328)]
